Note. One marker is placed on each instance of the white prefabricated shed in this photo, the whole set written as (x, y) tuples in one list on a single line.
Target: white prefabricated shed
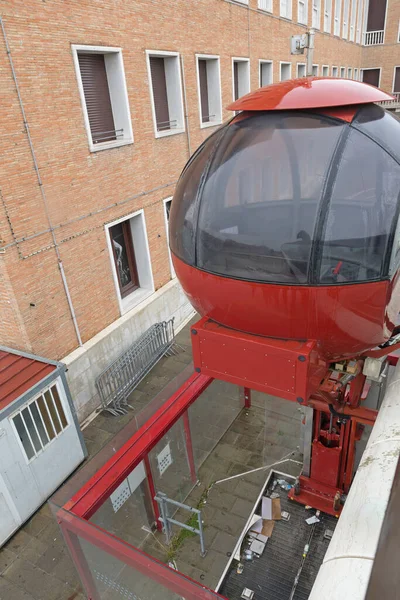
[(40, 439)]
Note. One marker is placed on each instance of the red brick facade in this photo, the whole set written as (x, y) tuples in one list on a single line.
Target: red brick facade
[(85, 190)]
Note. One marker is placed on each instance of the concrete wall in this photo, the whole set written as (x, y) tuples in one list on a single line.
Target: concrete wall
[(86, 363)]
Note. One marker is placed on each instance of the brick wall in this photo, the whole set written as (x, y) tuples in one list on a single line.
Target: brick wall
[(85, 190)]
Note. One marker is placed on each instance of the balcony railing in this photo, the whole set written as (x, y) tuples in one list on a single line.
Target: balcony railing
[(392, 104), (374, 38)]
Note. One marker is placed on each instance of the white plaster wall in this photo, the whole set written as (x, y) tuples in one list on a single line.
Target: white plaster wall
[(87, 362)]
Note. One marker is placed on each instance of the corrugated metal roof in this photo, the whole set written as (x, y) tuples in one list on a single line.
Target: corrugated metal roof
[(18, 374)]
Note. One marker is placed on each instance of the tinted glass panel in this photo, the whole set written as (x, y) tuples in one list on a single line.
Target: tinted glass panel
[(23, 436), (31, 428), (181, 228), (39, 423), (380, 125), (361, 213), (261, 198)]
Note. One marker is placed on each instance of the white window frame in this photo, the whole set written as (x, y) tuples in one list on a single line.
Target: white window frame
[(119, 99), (353, 20), (165, 202), (142, 252), (394, 77), (346, 17), (316, 67), (180, 128), (349, 73), (265, 62), (242, 60), (217, 98), (327, 15), (372, 69), (337, 12), (61, 394), (355, 74), (316, 14), (359, 21), (325, 68), (266, 5), (398, 34), (281, 64), (342, 70), (297, 70), (304, 3), (333, 71), (288, 11)]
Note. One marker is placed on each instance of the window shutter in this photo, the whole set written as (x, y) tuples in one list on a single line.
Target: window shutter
[(97, 97), (236, 79), (205, 110), (371, 76), (160, 95)]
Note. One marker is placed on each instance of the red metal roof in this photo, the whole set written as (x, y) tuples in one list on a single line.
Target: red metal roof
[(18, 374), (310, 92)]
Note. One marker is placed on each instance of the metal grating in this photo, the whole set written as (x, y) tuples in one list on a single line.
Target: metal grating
[(272, 575)]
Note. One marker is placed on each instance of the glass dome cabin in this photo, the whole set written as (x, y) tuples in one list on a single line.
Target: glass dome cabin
[(284, 222)]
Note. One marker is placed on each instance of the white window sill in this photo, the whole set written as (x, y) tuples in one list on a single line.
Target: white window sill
[(161, 134), (109, 145), (210, 124), (134, 299)]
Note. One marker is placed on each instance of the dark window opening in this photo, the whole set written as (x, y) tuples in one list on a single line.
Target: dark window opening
[(124, 257), (160, 94), (236, 79), (371, 76), (97, 98), (204, 100), (376, 15)]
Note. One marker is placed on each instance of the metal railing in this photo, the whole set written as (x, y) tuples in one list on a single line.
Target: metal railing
[(116, 382), (373, 38), (107, 136), (166, 125), (391, 104)]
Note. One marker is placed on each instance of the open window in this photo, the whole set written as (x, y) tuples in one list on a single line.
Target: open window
[(104, 97), (166, 92), (285, 71), (167, 212), (266, 75), (209, 88), (241, 77)]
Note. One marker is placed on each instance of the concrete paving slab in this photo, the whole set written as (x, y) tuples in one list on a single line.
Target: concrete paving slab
[(243, 508), (7, 557), (36, 582), (9, 591)]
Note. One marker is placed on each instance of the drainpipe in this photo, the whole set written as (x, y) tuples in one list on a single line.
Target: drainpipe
[(41, 187)]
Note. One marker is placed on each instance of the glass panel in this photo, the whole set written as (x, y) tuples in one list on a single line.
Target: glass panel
[(46, 418), (181, 229), (262, 195), (23, 436), (120, 254), (59, 406), (52, 411), (31, 429), (361, 214), (39, 424), (381, 125)]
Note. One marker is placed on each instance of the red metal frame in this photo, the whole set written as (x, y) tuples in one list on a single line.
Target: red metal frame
[(246, 396)]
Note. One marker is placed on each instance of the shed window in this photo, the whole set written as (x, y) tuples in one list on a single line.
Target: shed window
[(38, 423)]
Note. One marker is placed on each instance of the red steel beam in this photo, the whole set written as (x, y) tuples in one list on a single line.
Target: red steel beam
[(99, 487)]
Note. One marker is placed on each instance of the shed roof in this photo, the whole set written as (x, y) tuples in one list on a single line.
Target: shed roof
[(19, 373)]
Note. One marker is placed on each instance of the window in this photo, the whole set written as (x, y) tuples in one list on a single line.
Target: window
[(285, 71), (346, 9), (342, 72), (325, 71), (166, 92), (241, 77), (167, 212), (130, 259), (349, 73), (396, 80), (266, 76), (315, 70), (104, 97), (371, 76), (286, 9), (398, 34), (265, 5), (356, 74), (301, 70), (302, 11), (327, 15), (209, 86), (353, 19), (338, 10), (40, 422), (335, 72), (316, 13), (359, 21)]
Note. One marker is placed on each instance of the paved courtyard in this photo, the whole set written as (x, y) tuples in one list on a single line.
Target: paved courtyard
[(35, 565)]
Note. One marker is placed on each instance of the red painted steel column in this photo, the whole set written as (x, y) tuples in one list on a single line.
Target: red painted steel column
[(245, 394), (152, 489), (189, 446), (79, 560)]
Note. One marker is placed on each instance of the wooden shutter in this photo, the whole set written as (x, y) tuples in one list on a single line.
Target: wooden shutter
[(160, 95), (371, 76), (97, 97), (205, 110), (236, 79), (376, 15)]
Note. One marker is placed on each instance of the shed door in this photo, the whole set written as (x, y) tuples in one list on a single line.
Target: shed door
[(371, 76)]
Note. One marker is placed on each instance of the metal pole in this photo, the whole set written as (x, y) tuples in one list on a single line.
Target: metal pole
[(310, 51), (245, 394), (152, 489), (161, 501)]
